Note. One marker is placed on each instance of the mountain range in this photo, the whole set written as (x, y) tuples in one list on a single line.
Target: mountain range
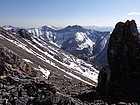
[(41, 49), (60, 66), (51, 55), (71, 51), (41, 52), (100, 28), (86, 44)]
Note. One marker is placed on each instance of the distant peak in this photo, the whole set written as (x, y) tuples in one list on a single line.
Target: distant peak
[(75, 27), (49, 27), (8, 26)]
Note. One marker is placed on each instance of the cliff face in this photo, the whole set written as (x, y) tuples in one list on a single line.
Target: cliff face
[(123, 74), (124, 54)]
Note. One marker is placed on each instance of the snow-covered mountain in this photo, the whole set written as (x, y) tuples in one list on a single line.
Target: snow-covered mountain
[(86, 44), (47, 57), (79, 45), (46, 32), (11, 28), (76, 40)]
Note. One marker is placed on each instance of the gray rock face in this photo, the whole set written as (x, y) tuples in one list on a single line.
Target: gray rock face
[(122, 78), (124, 54), (23, 33)]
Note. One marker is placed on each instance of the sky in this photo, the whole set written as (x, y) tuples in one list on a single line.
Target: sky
[(60, 13)]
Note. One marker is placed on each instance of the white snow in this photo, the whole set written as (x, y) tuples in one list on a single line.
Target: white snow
[(74, 76), (37, 32), (8, 27), (1, 36), (67, 77), (40, 44), (45, 72), (85, 71), (79, 36), (84, 41), (20, 44), (27, 60), (52, 27)]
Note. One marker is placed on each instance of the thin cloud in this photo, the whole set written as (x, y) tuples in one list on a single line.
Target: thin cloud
[(133, 13)]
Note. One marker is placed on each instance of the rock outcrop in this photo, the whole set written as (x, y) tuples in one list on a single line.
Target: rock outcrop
[(122, 78), (24, 34)]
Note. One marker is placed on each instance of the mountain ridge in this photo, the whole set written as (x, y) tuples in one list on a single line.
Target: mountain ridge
[(25, 56), (68, 39), (47, 54)]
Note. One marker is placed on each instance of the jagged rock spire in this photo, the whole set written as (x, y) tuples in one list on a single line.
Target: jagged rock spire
[(122, 78)]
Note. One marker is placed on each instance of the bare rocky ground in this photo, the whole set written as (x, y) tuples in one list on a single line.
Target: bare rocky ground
[(68, 85), (20, 84)]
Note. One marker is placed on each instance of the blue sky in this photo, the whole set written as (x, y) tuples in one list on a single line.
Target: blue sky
[(35, 13)]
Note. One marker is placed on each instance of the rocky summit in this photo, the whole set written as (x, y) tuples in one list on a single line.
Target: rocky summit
[(121, 79)]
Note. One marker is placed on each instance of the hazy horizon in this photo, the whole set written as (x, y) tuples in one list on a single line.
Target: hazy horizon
[(61, 13)]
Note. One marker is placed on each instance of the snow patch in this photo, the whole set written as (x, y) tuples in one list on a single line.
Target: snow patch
[(79, 36), (52, 27), (20, 44), (27, 60), (93, 75), (67, 77), (44, 71), (83, 41)]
